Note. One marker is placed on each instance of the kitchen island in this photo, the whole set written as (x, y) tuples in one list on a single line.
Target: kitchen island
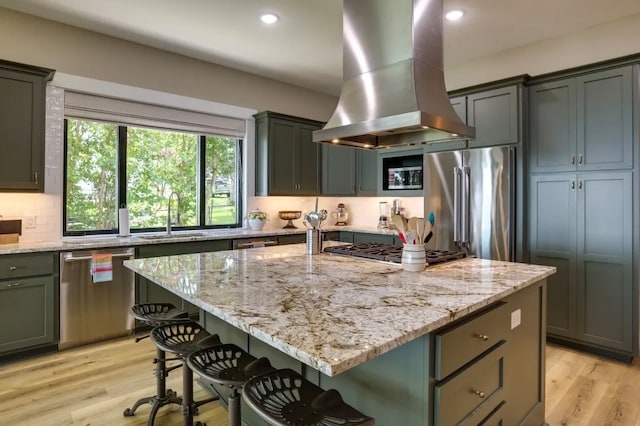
[(405, 348)]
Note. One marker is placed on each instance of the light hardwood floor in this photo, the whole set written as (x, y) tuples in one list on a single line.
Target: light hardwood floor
[(92, 385)]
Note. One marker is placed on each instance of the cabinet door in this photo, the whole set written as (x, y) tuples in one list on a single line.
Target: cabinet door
[(495, 115), (22, 110), (367, 172), (552, 121), (27, 313), (282, 157), (338, 170), (605, 120), (553, 243), (605, 259), (307, 162)]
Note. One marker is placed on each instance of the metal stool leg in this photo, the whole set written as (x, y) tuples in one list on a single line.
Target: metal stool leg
[(234, 408)]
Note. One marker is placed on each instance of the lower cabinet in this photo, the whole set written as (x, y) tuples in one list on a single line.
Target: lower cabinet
[(28, 301), (149, 292), (488, 367), (582, 224)]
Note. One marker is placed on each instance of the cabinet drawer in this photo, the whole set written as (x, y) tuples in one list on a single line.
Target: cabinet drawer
[(25, 265), (459, 344), (474, 388)]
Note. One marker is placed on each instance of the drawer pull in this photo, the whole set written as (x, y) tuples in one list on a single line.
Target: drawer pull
[(483, 337), (479, 393), (13, 268), (18, 284)]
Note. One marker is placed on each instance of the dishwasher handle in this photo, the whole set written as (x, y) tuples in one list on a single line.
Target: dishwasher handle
[(72, 258)]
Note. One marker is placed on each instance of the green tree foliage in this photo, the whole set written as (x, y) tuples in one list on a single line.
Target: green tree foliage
[(158, 163)]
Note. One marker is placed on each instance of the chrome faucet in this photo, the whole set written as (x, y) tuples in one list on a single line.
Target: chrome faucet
[(169, 211)]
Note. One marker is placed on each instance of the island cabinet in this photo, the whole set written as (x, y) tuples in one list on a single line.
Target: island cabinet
[(349, 171), (149, 292), (22, 124), (287, 161), (496, 114), (583, 225), (469, 372), (28, 301), (583, 122)]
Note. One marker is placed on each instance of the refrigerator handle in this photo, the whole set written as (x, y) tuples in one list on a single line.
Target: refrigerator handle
[(466, 207), (456, 205)]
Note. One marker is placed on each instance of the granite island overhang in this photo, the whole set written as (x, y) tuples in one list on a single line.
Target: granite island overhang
[(330, 312)]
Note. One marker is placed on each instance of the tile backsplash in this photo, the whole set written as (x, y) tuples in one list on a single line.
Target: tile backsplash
[(363, 211)]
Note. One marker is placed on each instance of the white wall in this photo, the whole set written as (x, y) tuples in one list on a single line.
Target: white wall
[(599, 43)]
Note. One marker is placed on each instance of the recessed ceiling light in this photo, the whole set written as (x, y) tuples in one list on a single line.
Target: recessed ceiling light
[(454, 15), (269, 18)]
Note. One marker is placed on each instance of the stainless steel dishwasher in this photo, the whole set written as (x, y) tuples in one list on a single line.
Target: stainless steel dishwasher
[(90, 312)]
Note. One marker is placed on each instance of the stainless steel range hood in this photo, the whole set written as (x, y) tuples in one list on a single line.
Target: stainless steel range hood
[(393, 90)]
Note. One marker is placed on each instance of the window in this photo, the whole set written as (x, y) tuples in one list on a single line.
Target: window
[(109, 165)]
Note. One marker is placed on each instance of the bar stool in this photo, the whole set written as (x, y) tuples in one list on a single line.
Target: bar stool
[(285, 398), (229, 366), (155, 314), (182, 339)]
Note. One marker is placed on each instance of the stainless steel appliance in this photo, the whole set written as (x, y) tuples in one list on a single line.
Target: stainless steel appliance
[(249, 243), (90, 312), (471, 193), (391, 253)]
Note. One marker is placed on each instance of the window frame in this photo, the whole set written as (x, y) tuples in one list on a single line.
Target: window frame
[(121, 183)]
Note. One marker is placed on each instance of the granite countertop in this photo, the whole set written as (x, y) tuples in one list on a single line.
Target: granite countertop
[(331, 312), (108, 241)]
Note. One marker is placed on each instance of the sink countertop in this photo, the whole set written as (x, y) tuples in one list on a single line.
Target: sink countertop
[(90, 242), (332, 312)]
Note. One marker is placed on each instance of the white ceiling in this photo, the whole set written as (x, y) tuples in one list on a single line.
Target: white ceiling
[(305, 47)]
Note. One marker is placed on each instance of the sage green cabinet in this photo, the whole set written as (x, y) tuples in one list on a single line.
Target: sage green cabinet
[(287, 161), (28, 301), (495, 114), (349, 171), (149, 292), (582, 123), (338, 170), (582, 224), (22, 124)]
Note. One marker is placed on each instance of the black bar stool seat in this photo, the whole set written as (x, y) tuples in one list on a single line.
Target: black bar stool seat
[(182, 338), (285, 398), (155, 314), (230, 366)]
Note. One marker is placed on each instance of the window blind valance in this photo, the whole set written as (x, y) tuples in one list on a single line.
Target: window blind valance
[(133, 113)]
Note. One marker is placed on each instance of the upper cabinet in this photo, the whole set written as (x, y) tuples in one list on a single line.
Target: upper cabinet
[(349, 171), (495, 114), (287, 161), (583, 123), (22, 124)]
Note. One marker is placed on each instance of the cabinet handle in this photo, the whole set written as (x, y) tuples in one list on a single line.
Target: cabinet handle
[(35, 178), (580, 159), (573, 159), (483, 337), (479, 393), (18, 284), (13, 268), (573, 185), (580, 185)]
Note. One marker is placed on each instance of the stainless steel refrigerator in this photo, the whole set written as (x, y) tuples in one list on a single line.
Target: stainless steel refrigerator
[(471, 193)]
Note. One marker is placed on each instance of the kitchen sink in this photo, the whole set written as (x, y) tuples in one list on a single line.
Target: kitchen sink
[(174, 235)]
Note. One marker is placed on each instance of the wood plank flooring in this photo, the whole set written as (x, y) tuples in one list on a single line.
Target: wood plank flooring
[(92, 385)]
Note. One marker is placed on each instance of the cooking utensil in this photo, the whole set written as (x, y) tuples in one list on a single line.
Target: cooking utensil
[(428, 237), (412, 224), (399, 223), (432, 218), (420, 230)]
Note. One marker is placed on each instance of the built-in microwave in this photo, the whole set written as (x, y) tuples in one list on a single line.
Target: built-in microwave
[(402, 173)]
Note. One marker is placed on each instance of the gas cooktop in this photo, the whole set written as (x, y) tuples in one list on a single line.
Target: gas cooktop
[(391, 253)]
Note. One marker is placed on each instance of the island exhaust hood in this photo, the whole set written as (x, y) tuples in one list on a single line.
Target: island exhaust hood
[(393, 90)]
